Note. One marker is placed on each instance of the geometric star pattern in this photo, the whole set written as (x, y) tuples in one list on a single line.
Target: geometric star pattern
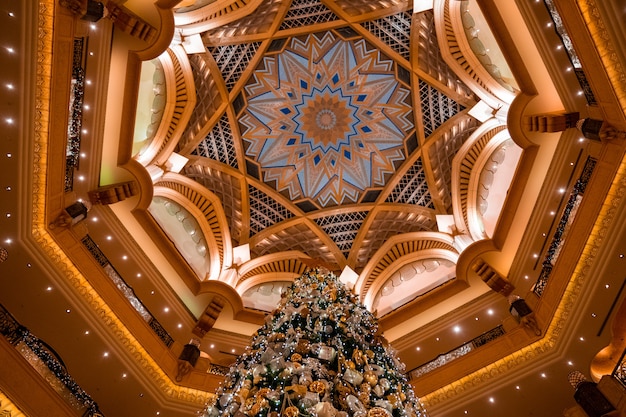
[(326, 119)]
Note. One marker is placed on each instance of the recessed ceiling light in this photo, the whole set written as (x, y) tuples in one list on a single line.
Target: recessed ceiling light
[(607, 286), (437, 339), (582, 339), (8, 188), (180, 326), (106, 354), (418, 348), (212, 346), (232, 350), (10, 50), (49, 289), (29, 265), (152, 292), (68, 311), (8, 241), (10, 86), (492, 400), (543, 375), (9, 121), (109, 237), (124, 375), (138, 274), (86, 332), (166, 309), (517, 387), (570, 363), (594, 315), (124, 257), (11, 14), (476, 318), (456, 329), (490, 312), (94, 219)]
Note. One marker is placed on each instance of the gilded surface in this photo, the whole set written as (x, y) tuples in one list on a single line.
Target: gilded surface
[(54, 253)]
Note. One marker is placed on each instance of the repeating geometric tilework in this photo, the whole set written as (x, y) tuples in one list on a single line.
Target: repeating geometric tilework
[(258, 22), (232, 60), (306, 13), (429, 57), (437, 108), (208, 98), (412, 188), (394, 30), (264, 210), (298, 237), (218, 144), (227, 188), (343, 228), (388, 224), (326, 119), (442, 152)]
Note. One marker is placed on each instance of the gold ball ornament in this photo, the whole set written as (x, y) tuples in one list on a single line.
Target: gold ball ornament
[(377, 412), (291, 411), (296, 357), (317, 386), (370, 377)]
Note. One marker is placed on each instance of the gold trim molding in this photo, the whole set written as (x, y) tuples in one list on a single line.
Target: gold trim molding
[(606, 49), (572, 292), (8, 409), (47, 244)]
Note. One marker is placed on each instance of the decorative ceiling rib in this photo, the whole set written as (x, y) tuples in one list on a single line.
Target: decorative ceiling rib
[(329, 129)]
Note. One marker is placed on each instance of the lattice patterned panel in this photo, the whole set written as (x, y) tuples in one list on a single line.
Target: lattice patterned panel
[(437, 108), (359, 7), (343, 228), (258, 22), (208, 99), (233, 60), (218, 144), (298, 237), (264, 210), (388, 224), (227, 189), (395, 31), (412, 188), (442, 152), (429, 57), (306, 13)]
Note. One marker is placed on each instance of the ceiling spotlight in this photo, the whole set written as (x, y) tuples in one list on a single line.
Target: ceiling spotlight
[(106, 354), (456, 329)]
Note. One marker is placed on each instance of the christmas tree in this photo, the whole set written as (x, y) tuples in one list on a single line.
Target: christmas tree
[(319, 354)]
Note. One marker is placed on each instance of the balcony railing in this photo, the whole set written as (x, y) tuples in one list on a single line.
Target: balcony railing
[(45, 361)]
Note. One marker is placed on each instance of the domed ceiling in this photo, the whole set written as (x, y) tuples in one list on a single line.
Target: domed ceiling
[(333, 132)]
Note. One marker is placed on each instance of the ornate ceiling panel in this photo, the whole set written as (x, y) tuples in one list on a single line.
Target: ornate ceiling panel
[(327, 129)]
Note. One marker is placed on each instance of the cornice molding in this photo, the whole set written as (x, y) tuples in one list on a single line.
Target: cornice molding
[(49, 247), (518, 361)]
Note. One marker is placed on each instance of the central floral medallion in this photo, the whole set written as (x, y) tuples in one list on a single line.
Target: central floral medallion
[(326, 119)]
